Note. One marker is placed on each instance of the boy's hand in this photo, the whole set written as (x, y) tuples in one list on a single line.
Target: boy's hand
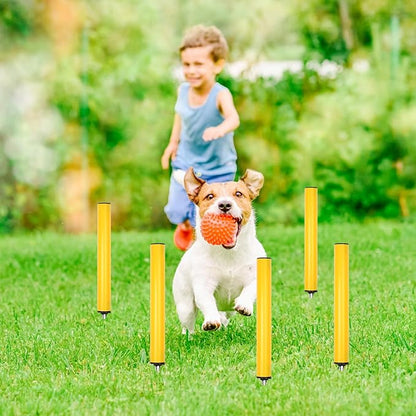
[(169, 153), (212, 133)]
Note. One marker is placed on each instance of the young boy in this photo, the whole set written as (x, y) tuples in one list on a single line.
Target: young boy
[(203, 127)]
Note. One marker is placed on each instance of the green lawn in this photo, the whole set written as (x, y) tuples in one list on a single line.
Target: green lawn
[(59, 357)]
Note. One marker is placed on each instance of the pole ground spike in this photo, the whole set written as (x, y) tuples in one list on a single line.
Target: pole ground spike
[(157, 366), (341, 366), (104, 313), (264, 380), (311, 293)]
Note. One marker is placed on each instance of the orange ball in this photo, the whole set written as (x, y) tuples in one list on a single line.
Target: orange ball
[(218, 229)]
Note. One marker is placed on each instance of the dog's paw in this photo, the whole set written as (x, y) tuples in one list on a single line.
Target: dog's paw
[(211, 325), (244, 310), (186, 331), (224, 318)]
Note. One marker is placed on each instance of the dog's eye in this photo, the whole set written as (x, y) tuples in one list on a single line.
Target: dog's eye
[(209, 196), (238, 194)]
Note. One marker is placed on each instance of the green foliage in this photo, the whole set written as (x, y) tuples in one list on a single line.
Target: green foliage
[(14, 17), (266, 139), (322, 32), (339, 29), (106, 106), (352, 150)]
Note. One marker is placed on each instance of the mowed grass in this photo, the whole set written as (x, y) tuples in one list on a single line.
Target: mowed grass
[(59, 357)]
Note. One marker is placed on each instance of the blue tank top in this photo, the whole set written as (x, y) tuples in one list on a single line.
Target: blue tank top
[(215, 157)]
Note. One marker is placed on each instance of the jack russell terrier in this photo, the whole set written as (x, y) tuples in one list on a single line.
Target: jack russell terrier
[(219, 279)]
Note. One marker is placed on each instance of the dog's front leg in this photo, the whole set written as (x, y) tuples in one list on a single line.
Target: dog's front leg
[(244, 303), (205, 300)]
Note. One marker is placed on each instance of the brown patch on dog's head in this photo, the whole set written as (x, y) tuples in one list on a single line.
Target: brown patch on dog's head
[(233, 198)]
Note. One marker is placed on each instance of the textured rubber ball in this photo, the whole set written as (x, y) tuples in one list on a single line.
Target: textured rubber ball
[(218, 229)]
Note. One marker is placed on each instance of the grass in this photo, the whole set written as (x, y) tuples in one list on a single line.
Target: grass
[(59, 357)]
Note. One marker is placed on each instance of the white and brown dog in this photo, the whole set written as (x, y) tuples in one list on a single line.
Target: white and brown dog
[(219, 280)]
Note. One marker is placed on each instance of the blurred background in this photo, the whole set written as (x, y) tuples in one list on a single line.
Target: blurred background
[(325, 90)]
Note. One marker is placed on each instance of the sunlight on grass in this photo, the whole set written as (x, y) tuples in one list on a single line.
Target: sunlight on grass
[(58, 356)]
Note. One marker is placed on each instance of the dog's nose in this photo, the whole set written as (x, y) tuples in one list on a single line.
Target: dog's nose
[(224, 206)]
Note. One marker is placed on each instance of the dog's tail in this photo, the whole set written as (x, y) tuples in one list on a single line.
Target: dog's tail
[(179, 176)]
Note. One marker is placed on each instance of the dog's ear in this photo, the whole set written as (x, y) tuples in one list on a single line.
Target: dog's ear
[(193, 185), (254, 181)]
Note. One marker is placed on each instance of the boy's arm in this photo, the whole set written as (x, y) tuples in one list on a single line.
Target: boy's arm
[(170, 151), (231, 119)]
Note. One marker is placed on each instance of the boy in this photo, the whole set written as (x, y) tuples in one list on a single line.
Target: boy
[(203, 127)]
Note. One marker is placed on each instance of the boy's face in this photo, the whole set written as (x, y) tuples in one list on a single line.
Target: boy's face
[(199, 68)]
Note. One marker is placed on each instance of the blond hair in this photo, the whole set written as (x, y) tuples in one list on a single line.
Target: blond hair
[(201, 35)]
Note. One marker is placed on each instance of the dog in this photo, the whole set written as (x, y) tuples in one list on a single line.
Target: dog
[(219, 279)]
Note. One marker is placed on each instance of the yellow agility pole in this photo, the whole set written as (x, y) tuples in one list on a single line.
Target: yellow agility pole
[(311, 241), (341, 310), (264, 319), (157, 305), (104, 258)]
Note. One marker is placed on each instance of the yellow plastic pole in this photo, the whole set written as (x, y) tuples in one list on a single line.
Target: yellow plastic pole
[(104, 258), (264, 319), (341, 310), (157, 305), (311, 241)]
